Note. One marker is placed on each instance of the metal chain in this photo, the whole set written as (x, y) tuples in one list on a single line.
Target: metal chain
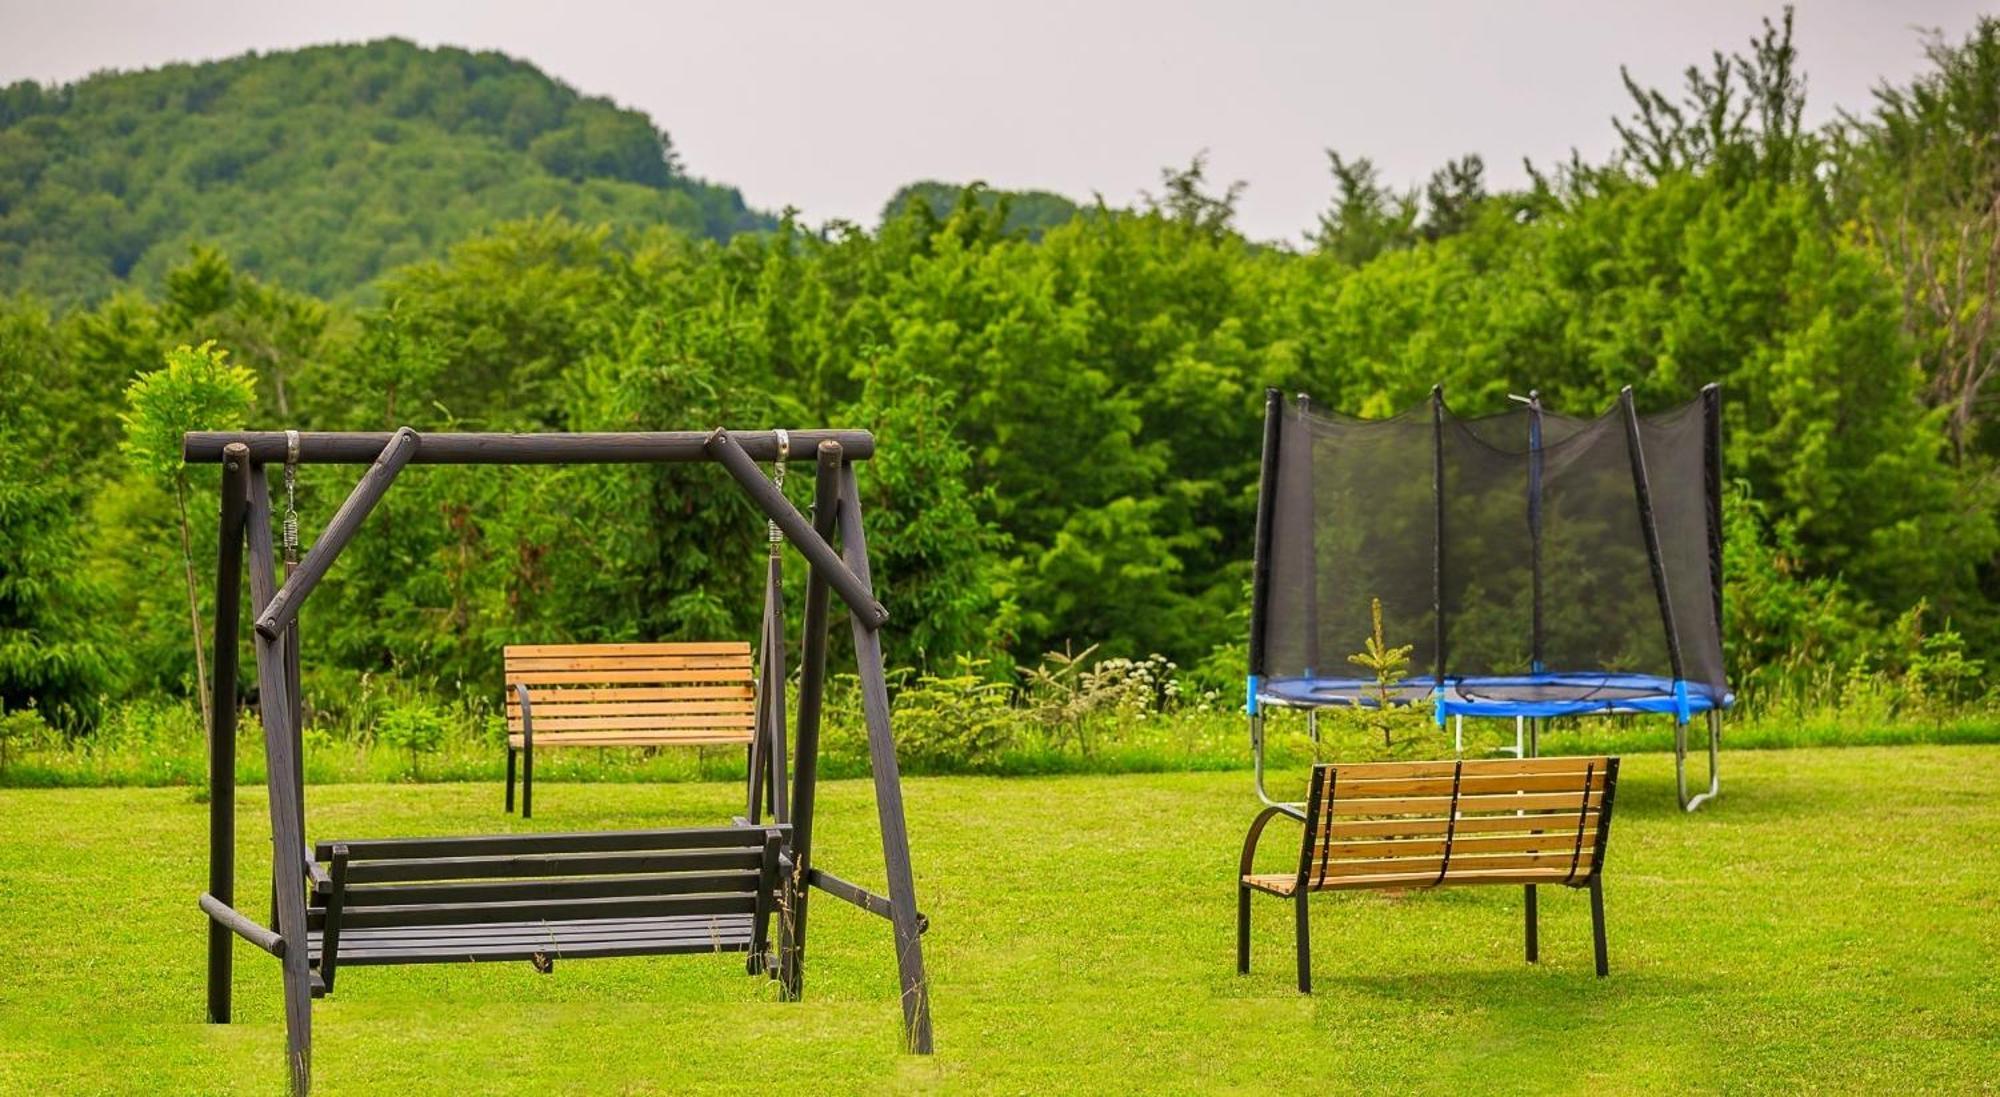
[(291, 528), (778, 478)]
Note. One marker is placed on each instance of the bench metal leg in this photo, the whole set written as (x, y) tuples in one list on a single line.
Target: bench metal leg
[(1305, 944), (1597, 927), (1689, 803), (510, 780), (1242, 930), (527, 752), (528, 781), (1533, 930)]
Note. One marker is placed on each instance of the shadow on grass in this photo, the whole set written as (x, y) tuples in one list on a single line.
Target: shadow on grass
[(1573, 993)]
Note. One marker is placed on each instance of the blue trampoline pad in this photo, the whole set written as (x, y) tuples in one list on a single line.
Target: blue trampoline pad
[(1574, 693)]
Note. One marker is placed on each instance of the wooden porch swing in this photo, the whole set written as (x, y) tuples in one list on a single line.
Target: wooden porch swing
[(541, 897)]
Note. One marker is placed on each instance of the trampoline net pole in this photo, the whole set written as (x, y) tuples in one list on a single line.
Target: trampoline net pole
[(1711, 460), (1260, 572), (1535, 528), (1437, 555), (1650, 529), (1311, 598)]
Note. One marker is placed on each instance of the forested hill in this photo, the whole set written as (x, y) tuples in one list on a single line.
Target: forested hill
[(319, 168), (1030, 213)]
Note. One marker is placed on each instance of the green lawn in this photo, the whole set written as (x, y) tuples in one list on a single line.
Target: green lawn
[(1831, 923)]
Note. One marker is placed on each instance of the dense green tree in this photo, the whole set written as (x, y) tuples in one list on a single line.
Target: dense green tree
[(58, 650), (1029, 213), (1921, 177), (1067, 407), (1366, 218), (197, 389)]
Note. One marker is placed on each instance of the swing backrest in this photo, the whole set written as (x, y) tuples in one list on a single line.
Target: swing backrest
[(695, 694)]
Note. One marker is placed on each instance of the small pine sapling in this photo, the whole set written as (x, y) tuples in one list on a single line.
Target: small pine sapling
[(1389, 666)]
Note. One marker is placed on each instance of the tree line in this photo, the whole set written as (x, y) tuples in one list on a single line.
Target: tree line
[(1068, 408)]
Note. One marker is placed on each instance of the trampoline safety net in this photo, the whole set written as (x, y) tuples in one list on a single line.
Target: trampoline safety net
[(1537, 564)]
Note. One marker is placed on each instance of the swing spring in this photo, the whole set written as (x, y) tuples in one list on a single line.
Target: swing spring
[(777, 535), (291, 526)]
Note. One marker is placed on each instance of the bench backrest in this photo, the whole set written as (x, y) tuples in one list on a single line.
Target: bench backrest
[(610, 694), (1499, 820), (551, 877)]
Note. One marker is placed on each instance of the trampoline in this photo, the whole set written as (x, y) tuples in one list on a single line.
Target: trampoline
[(1539, 565)]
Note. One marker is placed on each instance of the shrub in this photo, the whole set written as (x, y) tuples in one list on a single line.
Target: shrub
[(414, 725), (22, 730), (957, 721)]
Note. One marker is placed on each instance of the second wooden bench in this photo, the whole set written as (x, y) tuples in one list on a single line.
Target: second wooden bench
[(1416, 825), (624, 695)]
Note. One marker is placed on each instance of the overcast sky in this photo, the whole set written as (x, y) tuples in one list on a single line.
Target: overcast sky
[(831, 106)]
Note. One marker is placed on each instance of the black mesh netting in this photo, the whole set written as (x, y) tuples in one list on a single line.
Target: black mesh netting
[(1523, 531)]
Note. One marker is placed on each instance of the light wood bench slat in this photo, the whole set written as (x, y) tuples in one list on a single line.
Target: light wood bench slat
[(583, 665), (1533, 801), (1460, 861), (607, 677), (695, 738), (723, 647), (1369, 771), (637, 723), (1419, 826), (1553, 838), (558, 695), (579, 710), (1283, 883), (1468, 785)]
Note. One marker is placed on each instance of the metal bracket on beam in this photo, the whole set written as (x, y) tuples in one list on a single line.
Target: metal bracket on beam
[(285, 604), (851, 588)]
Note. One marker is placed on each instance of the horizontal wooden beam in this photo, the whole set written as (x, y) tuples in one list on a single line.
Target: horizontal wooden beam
[(240, 924), (632, 447)]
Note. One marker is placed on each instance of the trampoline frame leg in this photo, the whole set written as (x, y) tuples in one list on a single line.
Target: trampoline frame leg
[(1690, 803), (1257, 757), (1458, 736)]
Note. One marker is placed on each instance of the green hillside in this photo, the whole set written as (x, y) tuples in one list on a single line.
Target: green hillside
[(319, 168)]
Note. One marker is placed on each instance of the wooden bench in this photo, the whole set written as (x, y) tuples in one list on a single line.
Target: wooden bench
[(624, 695), (1416, 825), (541, 897)]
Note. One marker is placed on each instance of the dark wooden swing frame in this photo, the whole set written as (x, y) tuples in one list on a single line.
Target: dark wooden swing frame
[(246, 523)]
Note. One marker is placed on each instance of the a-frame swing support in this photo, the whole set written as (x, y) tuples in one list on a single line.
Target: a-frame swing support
[(246, 523)]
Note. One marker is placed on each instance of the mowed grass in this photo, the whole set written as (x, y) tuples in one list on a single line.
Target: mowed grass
[(1831, 923)]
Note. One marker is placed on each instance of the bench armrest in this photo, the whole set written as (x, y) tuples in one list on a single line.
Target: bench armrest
[(1257, 831), (315, 874), (527, 714), (336, 901)]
